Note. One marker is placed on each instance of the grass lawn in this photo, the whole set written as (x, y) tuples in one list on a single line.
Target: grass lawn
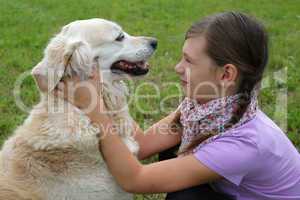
[(27, 25)]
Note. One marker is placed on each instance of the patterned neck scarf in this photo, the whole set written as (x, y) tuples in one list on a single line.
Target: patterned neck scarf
[(203, 123)]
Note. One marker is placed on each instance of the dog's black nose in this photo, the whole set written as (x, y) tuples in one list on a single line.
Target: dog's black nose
[(153, 43)]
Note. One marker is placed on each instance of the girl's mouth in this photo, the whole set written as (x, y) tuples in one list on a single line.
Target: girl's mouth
[(183, 82)]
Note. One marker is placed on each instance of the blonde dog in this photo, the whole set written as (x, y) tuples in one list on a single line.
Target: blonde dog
[(54, 154)]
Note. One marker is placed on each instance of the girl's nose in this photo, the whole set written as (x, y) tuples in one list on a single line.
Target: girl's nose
[(179, 69)]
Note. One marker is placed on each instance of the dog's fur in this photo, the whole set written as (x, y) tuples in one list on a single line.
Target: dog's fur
[(54, 154)]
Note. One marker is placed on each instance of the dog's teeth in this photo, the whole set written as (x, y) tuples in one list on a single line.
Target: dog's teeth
[(124, 65)]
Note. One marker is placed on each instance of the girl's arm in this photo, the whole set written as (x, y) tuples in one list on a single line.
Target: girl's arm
[(165, 176), (162, 135)]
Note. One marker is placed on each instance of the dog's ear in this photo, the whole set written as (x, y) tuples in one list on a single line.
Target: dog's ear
[(65, 29), (62, 57)]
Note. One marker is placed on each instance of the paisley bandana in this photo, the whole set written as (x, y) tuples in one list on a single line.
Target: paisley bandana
[(205, 122)]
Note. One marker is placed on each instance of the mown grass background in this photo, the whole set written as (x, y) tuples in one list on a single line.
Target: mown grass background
[(27, 25)]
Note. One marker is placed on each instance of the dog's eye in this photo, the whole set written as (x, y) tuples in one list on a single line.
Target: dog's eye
[(120, 38)]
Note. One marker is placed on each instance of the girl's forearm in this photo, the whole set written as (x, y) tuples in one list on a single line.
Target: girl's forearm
[(160, 136)]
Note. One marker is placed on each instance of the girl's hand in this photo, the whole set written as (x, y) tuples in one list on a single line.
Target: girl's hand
[(86, 95), (175, 122), (177, 114)]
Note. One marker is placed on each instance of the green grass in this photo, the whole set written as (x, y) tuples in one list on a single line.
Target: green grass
[(27, 25)]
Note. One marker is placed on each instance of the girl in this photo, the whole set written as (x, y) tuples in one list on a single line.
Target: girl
[(226, 140)]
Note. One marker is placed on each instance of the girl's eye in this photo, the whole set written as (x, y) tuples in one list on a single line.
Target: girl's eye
[(120, 38), (187, 60)]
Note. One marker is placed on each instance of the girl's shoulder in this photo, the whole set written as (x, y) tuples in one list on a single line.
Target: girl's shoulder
[(261, 133), (253, 147), (258, 130)]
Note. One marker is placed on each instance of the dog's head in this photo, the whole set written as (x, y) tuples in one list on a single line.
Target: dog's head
[(81, 44)]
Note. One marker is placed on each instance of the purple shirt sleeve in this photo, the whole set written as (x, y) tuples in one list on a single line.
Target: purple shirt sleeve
[(230, 157)]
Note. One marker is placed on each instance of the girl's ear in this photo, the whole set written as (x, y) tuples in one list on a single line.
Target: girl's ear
[(227, 77), (228, 73)]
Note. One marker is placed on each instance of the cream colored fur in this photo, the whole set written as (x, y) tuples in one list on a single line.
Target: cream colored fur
[(54, 154)]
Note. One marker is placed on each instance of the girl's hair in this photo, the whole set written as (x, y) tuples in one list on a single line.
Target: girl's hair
[(238, 39)]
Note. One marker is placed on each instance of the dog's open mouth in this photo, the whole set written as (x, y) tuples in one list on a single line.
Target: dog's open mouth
[(132, 68)]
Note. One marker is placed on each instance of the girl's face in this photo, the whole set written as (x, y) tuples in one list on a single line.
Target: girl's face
[(200, 76)]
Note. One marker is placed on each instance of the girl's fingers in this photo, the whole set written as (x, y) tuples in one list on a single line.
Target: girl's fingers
[(61, 89), (59, 94), (177, 113), (96, 74), (61, 86)]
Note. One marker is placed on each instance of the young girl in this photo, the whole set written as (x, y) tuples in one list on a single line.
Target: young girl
[(226, 139)]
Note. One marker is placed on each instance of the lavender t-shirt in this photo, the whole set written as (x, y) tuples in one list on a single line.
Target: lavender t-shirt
[(257, 161)]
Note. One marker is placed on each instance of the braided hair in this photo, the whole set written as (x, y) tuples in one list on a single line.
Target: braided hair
[(238, 39)]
